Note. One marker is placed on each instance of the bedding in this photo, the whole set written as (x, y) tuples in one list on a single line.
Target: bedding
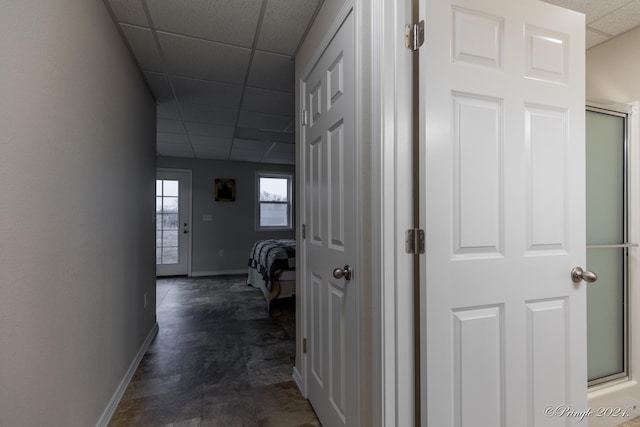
[(272, 268)]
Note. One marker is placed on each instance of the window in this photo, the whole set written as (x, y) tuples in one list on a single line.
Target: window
[(275, 204)]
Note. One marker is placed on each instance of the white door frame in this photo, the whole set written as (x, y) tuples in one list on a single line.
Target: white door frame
[(392, 206), (189, 215)]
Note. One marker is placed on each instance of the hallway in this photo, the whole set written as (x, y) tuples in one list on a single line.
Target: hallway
[(219, 359)]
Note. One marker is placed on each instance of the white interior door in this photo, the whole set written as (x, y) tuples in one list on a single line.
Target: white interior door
[(173, 203), (329, 146), (502, 203)]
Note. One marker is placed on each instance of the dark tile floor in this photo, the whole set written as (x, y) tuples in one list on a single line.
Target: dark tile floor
[(219, 359)]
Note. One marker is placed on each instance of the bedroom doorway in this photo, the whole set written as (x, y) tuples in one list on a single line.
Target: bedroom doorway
[(172, 220)]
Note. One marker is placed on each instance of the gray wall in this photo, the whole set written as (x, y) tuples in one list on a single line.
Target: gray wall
[(233, 227), (77, 170)]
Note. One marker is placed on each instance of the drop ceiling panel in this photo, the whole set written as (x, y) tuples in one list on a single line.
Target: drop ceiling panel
[(265, 121), (144, 47), (227, 21), (201, 59), (279, 158), (160, 87), (206, 153), (284, 24), (266, 101), (207, 129), (238, 155), (170, 125), (172, 138), (171, 150), (593, 9), (256, 134), (620, 21), (213, 143), (283, 148), (208, 114), (272, 71), (168, 110), (593, 38), (251, 145), (130, 12), (217, 95)]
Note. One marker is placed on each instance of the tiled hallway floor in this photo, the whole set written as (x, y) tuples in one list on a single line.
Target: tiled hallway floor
[(219, 359)]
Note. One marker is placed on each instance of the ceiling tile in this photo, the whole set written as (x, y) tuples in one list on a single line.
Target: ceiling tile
[(283, 148), (265, 121), (212, 142), (279, 158), (285, 22), (207, 129), (201, 59), (174, 150), (209, 151), (272, 71), (168, 110), (256, 134), (143, 47), (129, 11), (170, 125), (217, 95), (251, 145), (620, 21), (266, 101), (227, 21), (172, 138), (594, 38), (213, 155), (159, 86), (238, 155), (593, 9), (208, 114)]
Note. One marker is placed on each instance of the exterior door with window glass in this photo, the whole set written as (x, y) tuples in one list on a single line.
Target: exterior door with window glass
[(274, 201), (607, 245), (173, 201)]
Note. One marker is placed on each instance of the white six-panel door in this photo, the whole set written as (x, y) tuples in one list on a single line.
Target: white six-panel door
[(329, 152), (502, 204)]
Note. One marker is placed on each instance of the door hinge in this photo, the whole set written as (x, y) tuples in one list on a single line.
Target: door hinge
[(304, 231), (304, 346), (414, 35), (414, 241), (303, 117)]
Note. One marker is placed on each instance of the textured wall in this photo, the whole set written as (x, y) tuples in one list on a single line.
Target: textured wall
[(77, 168)]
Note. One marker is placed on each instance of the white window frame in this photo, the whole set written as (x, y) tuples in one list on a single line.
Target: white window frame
[(280, 175)]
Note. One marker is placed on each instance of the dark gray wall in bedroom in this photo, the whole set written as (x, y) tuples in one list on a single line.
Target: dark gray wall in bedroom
[(233, 228)]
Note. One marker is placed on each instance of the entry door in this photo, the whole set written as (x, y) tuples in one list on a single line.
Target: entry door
[(331, 275), (173, 202), (502, 163)]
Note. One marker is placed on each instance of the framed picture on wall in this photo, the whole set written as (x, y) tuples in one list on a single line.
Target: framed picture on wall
[(225, 190)]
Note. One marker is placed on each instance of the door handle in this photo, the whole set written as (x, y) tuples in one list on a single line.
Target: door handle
[(578, 275), (345, 272)]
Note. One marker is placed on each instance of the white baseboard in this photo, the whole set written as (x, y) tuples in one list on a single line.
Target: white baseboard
[(297, 377), (218, 272), (115, 399)]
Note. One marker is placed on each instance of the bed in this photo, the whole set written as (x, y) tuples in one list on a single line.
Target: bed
[(272, 265)]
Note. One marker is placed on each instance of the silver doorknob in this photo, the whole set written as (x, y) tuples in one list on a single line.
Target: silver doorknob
[(345, 272), (578, 274)]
